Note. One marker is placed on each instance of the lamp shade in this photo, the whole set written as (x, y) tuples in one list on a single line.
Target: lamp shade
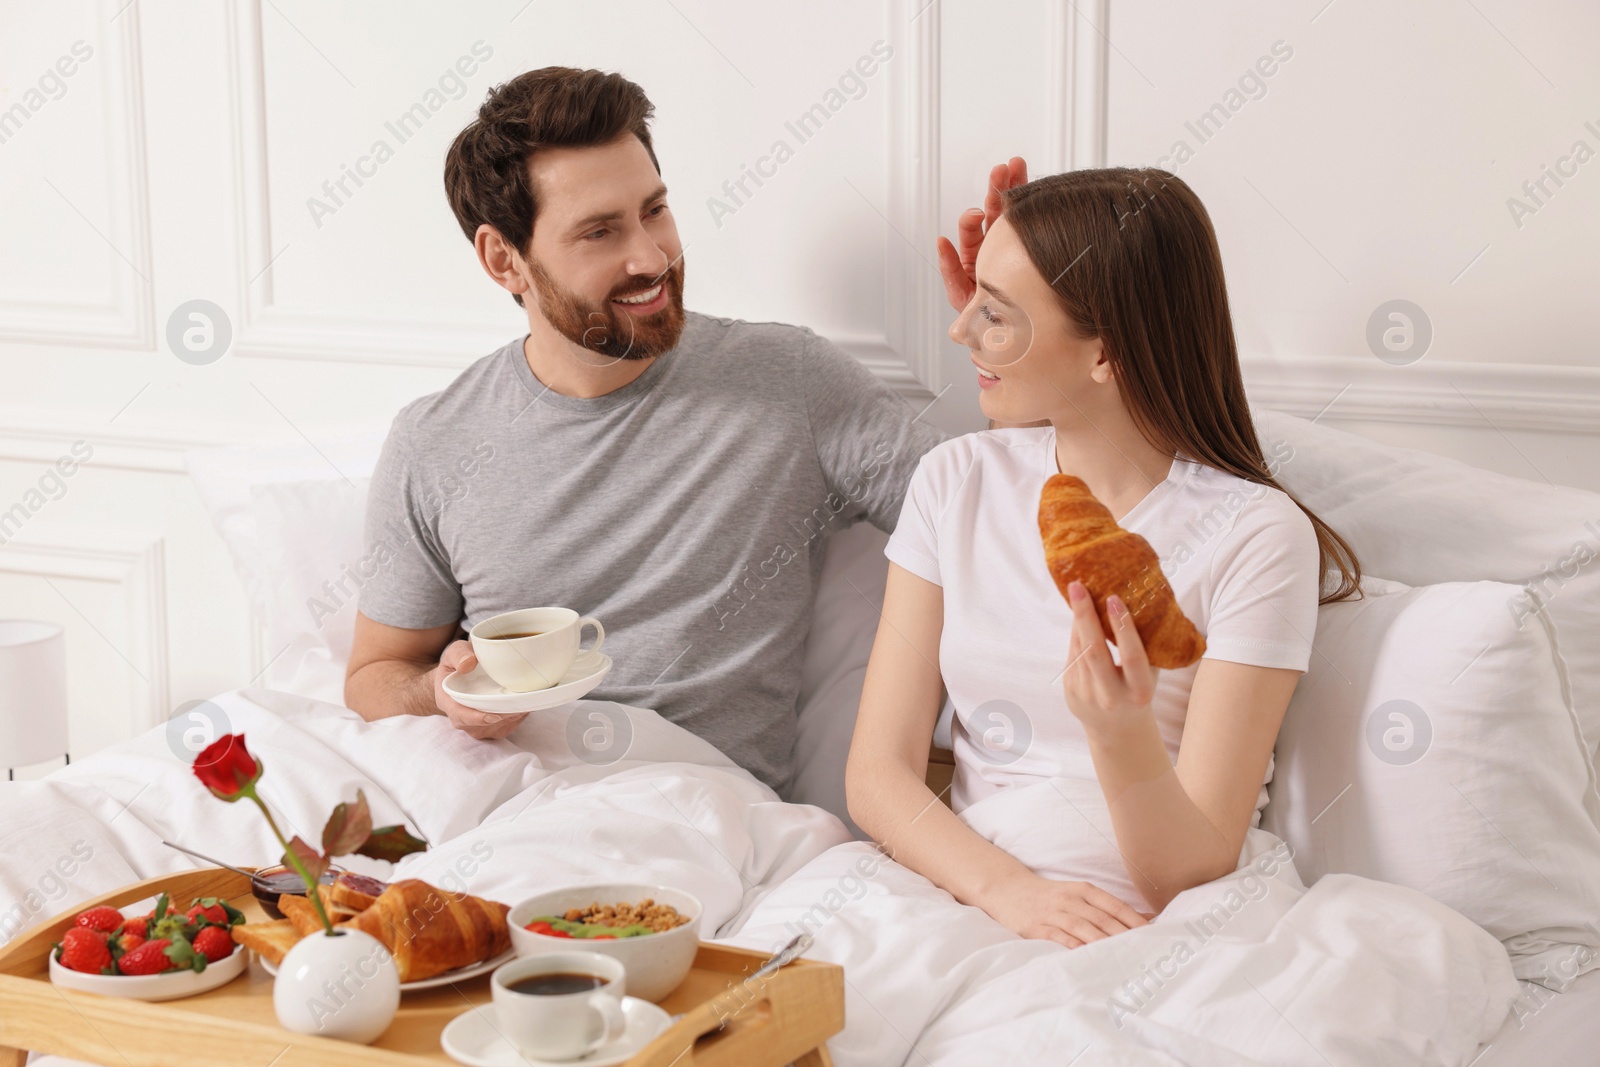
[(33, 692)]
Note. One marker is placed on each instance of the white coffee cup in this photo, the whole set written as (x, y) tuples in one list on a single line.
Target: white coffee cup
[(560, 1026), (539, 661)]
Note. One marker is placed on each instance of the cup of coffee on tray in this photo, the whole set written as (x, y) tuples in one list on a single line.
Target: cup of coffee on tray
[(560, 1006), (532, 649)]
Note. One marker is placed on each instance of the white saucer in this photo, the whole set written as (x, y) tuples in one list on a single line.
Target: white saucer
[(477, 690), (460, 974), (474, 1038)]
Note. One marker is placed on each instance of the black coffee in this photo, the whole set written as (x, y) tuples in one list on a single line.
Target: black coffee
[(554, 985), (513, 637)]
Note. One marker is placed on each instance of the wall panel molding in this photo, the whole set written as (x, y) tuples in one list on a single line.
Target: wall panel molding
[(906, 356), (25, 437), (270, 331), (134, 563), (124, 317), (1500, 396), (915, 296), (1077, 47), (1556, 398)]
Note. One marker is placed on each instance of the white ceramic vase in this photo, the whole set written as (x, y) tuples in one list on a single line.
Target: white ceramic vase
[(344, 986)]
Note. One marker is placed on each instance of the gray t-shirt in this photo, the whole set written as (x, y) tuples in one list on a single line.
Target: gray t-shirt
[(687, 511)]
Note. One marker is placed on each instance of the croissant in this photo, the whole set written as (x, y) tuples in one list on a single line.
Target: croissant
[(1083, 542), (429, 931)]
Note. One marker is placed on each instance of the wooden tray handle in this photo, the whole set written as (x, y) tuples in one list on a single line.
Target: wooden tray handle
[(747, 1018)]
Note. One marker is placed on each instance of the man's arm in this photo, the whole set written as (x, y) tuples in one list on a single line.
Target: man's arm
[(868, 438), (395, 671)]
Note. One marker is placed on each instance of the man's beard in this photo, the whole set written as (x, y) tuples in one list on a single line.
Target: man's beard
[(606, 330)]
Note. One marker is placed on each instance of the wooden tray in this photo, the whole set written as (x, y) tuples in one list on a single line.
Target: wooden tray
[(784, 1018)]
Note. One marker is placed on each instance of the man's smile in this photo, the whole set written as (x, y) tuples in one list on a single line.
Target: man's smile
[(645, 303)]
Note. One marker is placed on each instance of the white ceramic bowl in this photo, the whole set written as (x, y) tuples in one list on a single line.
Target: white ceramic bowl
[(656, 963), (168, 986)]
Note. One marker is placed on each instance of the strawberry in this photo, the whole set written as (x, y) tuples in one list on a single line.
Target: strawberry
[(125, 941), (84, 949), (149, 958), (103, 919), (138, 927), (213, 913), (214, 943)]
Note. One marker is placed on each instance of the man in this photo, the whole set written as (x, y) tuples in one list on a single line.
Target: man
[(674, 474)]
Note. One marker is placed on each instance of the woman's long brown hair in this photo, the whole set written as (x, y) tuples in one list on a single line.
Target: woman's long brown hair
[(1133, 258)]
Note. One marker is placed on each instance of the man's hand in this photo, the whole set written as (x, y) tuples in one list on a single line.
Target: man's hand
[(458, 656), (396, 671), (959, 269)]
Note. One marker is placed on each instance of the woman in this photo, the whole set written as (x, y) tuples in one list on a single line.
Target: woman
[(1090, 789)]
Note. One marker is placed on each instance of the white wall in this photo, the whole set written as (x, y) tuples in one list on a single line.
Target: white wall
[(1375, 164), (180, 158)]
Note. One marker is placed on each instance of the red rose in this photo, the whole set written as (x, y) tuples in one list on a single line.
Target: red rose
[(226, 767)]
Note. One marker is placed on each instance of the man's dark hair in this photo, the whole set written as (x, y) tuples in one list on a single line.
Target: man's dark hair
[(486, 170)]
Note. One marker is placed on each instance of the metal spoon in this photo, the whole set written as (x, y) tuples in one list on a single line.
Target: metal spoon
[(793, 949), (208, 859), (797, 945)]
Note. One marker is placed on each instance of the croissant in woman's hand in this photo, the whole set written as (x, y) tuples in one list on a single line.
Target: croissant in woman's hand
[(1083, 542)]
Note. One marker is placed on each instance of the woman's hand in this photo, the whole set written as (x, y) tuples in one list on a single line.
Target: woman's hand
[(1071, 913), (959, 269), (1104, 696)]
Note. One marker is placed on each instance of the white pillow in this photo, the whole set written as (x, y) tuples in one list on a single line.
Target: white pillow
[(306, 543), (1422, 519), (311, 544), (843, 624), (1432, 744)]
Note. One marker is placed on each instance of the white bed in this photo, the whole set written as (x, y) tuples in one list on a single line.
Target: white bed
[(1550, 1028), (1363, 967)]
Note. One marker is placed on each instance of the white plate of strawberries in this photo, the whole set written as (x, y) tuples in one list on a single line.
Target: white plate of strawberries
[(157, 953)]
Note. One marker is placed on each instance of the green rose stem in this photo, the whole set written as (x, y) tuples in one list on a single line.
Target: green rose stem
[(294, 861)]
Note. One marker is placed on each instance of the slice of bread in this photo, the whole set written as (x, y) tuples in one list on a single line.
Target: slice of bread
[(300, 911), (355, 891), (269, 940), (349, 899)]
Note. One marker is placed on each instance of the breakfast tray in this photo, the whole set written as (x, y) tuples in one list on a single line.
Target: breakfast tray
[(784, 1018)]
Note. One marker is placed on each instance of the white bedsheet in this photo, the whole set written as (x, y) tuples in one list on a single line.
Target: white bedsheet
[(1250, 969)]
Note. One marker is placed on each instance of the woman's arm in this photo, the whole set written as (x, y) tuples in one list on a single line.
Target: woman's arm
[(889, 798), (885, 776), (1176, 827)]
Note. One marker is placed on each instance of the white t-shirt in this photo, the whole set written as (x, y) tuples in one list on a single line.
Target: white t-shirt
[(1241, 558)]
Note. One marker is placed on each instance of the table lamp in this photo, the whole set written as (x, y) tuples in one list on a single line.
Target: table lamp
[(33, 693)]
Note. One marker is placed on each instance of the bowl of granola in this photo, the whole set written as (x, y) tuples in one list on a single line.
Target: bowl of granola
[(652, 930)]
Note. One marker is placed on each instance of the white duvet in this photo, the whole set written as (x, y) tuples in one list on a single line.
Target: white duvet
[(1251, 969)]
